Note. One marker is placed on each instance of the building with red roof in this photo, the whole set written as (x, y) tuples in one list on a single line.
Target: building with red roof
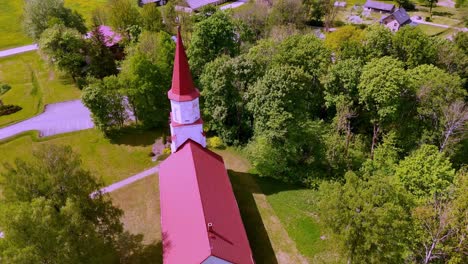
[(200, 218)]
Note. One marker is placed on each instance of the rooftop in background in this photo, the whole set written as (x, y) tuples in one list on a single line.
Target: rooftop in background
[(379, 6), (200, 218), (401, 16), (110, 37), (196, 4)]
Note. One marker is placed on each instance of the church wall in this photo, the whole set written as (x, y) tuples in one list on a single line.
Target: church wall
[(194, 132), (185, 112)]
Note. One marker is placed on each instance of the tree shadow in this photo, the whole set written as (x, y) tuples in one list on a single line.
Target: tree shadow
[(133, 136), (151, 254)]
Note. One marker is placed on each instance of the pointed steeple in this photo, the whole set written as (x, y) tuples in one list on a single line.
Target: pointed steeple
[(182, 88)]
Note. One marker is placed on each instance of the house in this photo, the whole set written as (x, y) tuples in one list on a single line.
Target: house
[(396, 20), (379, 6), (200, 218)]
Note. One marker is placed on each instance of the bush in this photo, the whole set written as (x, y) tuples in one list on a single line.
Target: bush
[(4, 88), (9, 109), (216, 142)]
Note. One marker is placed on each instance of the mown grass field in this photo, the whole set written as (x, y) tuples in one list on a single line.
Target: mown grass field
[(11, 17), (112, 161), (11, 30), (33, 84)]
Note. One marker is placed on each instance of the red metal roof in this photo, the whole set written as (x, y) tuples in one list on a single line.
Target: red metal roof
[(199, 212), (182, 88)]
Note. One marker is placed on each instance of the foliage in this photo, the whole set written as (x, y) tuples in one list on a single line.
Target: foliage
[(8, 109), (225, 83), (435, 90), (64, 47), (426, 172), (285, 12), (4, 88), (377, 41), (49, 216), (146, 76), (101, 61), (362, 211), (212, 37), (106, 103), (151, 18), (123, 14), (215, 142), (413, 47), (346, 42), (42, 14)]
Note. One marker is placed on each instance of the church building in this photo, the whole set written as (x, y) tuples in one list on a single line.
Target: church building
[(200, 218)]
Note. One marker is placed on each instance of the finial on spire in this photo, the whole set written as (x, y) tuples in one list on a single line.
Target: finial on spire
[(182, 88)]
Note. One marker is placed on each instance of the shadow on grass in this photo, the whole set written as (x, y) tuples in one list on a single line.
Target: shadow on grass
[(259, 241), (133, 136), (151, 253)]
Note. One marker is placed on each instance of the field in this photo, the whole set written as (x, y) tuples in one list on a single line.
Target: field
[(10, 24), (113, 160), (33, 85), (11, 19)]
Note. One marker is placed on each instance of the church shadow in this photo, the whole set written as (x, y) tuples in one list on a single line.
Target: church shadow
[(244, 188)]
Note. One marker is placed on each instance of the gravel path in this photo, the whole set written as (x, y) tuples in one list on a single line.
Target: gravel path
[(129, 180), (9, 52), (57, 118)]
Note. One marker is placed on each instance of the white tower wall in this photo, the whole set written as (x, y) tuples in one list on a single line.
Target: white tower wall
[(185, 132), (185, 112)]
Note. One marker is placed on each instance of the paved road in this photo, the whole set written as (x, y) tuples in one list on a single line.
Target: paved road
[(9, 52), (420, 21), (129, 180), (57, 118)]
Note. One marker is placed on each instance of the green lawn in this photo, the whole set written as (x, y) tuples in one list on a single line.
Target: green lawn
[(11, 11), (113, 161), (431, 30), (85, 7), (33, 85), (11, 31)]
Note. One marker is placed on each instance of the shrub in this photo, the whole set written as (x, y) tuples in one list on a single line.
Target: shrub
[(9, 109), (4, 88), (216, 142)]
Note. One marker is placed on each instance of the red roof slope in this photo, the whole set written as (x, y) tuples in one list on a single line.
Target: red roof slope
[(182, 88), (199, 212)]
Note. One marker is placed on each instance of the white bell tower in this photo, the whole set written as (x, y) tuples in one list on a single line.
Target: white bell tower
[(186, 122)]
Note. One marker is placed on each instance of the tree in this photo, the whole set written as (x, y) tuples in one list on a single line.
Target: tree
[(123, 14), (48, 216), (64, 47), (212, 37), (413, 47), (225, 83), (151, 18), (346, 42), (146, 77), (431, 4), (382, 87), (101, 61), (322, 10), (106, 103), (426, 172), (377, 41), (286, 12), (370, 216), (340, 88), (436, 90), (42, 14)]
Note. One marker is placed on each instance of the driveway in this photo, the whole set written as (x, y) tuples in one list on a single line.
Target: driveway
[(57, 118), (9, 52)]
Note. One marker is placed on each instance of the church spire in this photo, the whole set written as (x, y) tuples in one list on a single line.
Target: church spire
[(182, 88)]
